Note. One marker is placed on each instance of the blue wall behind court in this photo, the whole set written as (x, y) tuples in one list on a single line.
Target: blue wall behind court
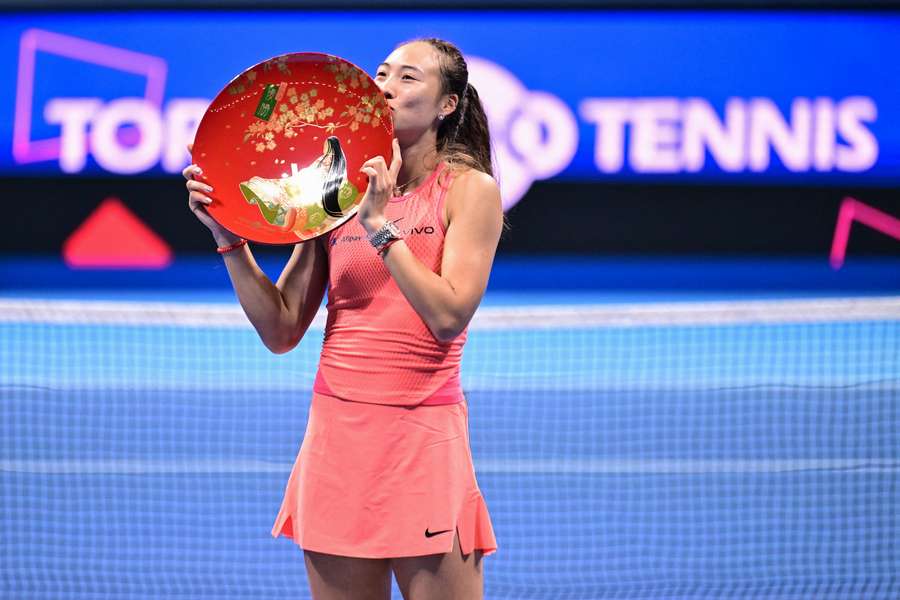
[(804, 97)]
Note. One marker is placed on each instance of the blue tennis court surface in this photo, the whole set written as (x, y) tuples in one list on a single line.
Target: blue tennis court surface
[(630, 444)]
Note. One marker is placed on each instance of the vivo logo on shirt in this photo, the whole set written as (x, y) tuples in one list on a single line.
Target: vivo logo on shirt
[(426, 230)]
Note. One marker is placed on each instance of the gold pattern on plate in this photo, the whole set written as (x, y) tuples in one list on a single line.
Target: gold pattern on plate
[(304, 108)]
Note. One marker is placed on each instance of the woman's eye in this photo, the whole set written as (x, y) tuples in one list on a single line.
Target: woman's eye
[(409, 77), (379, 74)]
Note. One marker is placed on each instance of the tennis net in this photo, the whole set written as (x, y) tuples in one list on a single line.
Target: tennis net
[(687, 450)]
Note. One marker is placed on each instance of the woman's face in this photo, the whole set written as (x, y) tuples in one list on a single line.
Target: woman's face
[(411, 81)]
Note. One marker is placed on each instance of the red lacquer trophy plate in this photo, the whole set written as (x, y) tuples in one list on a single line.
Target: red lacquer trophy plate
[(283, 143)]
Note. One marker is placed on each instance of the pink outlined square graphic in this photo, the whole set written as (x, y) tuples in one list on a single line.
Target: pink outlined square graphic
[(26, 150), (853, 210)]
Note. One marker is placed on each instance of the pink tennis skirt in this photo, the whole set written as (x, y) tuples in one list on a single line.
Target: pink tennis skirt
[(381, 481)]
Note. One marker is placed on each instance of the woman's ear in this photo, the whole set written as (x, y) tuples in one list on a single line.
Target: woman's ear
[(450, 103)]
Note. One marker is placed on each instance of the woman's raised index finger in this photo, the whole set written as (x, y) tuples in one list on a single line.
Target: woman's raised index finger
[(396, 161)]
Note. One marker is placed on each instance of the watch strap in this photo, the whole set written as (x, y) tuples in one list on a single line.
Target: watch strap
[(384, 234)]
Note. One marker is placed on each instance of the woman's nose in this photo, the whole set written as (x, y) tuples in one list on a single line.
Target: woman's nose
[(386, 88)]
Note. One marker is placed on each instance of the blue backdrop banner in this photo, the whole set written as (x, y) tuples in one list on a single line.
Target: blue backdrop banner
[(806, 98)]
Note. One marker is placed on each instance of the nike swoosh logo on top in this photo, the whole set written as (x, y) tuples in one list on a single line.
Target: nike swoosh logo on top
[(429, 534)]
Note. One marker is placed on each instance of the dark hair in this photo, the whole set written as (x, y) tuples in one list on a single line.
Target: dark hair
[(337, 172), (463, 136)]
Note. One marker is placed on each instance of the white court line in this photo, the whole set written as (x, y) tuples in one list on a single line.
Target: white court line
[(539, 466), (685, 466), (219, 316), (480, 384)]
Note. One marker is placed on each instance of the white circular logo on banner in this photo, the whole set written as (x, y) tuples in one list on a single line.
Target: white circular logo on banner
[(534, 134)]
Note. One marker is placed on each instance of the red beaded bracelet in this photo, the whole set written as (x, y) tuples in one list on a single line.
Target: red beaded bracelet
[(234, 246)]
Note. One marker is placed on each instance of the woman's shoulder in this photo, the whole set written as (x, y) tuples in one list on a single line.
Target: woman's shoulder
[(470, 189), (472, 180)]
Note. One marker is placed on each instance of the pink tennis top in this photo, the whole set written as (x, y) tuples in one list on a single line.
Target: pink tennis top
[(377, 349)]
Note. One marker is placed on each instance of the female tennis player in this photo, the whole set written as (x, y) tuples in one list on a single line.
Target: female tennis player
[(384, 480)]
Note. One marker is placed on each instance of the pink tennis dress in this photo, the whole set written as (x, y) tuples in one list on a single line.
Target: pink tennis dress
[(385, 467)]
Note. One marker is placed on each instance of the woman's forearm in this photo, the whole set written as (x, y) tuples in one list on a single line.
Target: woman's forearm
[(259, 297), (431, 296)]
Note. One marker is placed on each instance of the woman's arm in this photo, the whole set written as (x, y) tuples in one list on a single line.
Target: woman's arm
[(279, 312), (446, 302)]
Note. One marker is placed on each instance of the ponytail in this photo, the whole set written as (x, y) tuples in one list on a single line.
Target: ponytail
[(470, 142), (463, 137)]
